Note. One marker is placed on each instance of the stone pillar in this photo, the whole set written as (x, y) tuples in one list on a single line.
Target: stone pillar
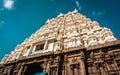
[(116, 67), (57, 67), (25, 68), (82, 64), (46, 44), (1, 71), (99, 68), (63, 70), (21, 69), (102, 70), (5, 71), (29, 50), (66, 65), (57, 61), (66, 68), (10, 70), (105, 68), (44, 66), (72, 70), (77, 69), (85, 43), (48, 67)]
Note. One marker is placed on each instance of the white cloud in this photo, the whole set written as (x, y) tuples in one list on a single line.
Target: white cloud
[(8, 4), (94, 13), (78, 5), (80, 8)]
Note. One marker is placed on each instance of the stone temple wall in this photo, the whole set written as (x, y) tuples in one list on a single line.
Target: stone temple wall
[(65, 31), (70, 44)]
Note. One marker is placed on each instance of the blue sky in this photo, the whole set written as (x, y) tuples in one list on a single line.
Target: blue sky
[(20, 18)]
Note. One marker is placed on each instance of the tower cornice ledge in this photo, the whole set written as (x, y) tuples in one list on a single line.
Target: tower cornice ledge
[(107, 44), (66, 51)]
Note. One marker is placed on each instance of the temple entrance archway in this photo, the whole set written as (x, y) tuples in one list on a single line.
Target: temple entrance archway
[(34, 69)]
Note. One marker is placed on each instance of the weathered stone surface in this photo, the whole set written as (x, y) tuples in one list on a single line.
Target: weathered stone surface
[(69, 44)]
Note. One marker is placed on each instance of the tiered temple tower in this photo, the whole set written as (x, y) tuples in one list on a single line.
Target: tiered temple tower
[(69, 44)]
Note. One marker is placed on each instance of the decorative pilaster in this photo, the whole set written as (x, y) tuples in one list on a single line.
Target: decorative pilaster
[(65, 63), (77, 69), (63, 70), (117, 67), (44, 66), (10, 70), (1, 70), (46, 44), (21, 69), (82, 64), (72, 69), (102, 69), (49, 65), (25, 68)]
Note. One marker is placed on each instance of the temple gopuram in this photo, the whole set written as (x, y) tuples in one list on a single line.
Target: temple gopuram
[(70, 44)]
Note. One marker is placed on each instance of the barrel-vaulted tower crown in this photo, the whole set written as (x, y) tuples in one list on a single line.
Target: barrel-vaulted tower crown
[(60, 33)]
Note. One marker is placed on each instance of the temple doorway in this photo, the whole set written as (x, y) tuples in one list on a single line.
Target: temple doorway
[(34, 69)]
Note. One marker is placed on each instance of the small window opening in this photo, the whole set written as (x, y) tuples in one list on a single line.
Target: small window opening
[(39, 47)]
